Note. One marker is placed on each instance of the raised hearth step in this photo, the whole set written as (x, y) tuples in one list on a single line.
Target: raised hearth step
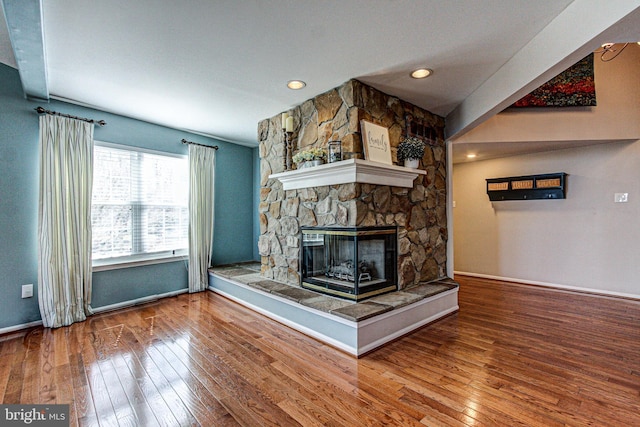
[(354, 327)]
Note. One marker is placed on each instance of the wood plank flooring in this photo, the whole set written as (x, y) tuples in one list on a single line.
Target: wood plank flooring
[(514, 355)]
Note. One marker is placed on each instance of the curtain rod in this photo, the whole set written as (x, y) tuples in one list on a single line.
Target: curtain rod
[(41, 110), (184, 141)]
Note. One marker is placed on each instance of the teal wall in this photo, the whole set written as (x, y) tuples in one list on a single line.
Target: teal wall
[(234, 232)]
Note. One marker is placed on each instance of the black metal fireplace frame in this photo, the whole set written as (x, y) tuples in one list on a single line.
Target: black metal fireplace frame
[(356, 292)]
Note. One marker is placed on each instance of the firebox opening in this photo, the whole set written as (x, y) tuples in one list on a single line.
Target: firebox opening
[(349, 262)]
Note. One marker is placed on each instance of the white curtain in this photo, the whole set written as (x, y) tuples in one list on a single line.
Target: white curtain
[(202, 161), (64, 220)]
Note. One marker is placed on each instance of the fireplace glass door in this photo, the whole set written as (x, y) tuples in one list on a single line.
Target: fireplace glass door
[(353, 263)]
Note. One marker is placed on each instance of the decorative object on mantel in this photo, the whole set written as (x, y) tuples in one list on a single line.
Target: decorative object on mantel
[(287, 130), (574, 87), (309, 158), (375, 139), (411, 150), (335, 151), (529, 187)]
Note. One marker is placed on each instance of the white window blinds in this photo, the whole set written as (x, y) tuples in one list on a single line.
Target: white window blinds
[(139, 205)]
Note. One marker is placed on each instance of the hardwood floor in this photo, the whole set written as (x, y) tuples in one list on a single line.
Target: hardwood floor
[(513, 356)]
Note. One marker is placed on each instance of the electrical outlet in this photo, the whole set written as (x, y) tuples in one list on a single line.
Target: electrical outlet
[(621, 197), (27, 291)]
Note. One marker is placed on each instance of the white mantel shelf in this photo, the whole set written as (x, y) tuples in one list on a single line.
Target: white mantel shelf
[(348, 171)]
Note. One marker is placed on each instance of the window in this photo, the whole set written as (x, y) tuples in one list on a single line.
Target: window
[(139, 208)]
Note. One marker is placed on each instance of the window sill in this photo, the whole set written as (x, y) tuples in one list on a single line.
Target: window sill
[(97, 266)]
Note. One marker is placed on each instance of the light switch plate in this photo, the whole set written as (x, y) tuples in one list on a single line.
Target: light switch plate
[(621, 197), (27, 291)]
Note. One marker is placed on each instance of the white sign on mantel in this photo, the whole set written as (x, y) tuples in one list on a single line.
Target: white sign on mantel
[(375, 138)]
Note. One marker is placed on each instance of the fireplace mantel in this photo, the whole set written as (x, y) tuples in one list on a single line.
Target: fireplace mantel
[(348, 171)]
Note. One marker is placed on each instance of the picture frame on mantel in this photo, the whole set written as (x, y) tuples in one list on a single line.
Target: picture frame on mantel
[(375, 141)]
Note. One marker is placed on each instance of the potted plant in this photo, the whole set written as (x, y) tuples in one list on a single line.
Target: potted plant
[(311, 157), (411, 150)]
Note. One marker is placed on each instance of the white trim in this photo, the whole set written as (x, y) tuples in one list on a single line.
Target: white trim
[(450, 196), (348, 171), (98, 266), (138, 149), (138, 301), (98, 310), (293, 325), (591, 291), (436, 307), (14, 328), (396, 311)]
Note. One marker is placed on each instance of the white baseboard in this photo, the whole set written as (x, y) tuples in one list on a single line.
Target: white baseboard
[(102, 309), (14, 328), (138, 301), (552, 285)]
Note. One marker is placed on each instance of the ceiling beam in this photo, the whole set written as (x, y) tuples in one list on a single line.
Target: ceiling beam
[(24, 21), (582, 27)]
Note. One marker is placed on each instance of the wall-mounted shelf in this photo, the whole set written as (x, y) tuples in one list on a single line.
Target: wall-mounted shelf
[(529, 187), (348, 171)]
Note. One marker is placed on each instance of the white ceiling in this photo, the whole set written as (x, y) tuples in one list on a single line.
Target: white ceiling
[(219, 67)]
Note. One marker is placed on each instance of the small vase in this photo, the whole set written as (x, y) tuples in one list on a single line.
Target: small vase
[(412, 163)]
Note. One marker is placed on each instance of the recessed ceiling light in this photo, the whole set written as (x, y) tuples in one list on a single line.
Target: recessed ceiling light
[(471, 156), (296, 84), (421, 73)]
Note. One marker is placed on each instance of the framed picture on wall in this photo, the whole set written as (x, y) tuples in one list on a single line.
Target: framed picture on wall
[(375, 139)]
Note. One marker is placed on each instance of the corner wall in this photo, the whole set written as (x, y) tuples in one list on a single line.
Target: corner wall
[(233, 235), (585, 241)]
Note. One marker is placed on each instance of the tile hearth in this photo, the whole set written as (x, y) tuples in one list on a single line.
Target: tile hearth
[(355, 327)]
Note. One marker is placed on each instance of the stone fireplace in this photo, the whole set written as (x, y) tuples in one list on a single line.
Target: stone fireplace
[(418, 212)]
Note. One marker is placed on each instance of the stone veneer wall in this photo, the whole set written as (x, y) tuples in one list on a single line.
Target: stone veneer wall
[(419, 212)]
